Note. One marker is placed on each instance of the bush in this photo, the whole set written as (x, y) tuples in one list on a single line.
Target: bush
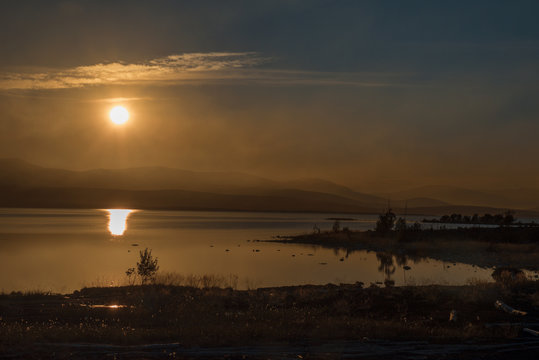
[(147, 266), (336, 226), (400, 225), (385, 222)]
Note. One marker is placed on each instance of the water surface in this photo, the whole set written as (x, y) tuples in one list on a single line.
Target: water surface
[(64, 250)]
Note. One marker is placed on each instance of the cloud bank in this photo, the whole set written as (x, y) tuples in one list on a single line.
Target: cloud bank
[(169, 68), (192, 67)]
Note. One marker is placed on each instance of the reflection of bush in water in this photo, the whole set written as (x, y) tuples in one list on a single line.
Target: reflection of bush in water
[(386, 264)]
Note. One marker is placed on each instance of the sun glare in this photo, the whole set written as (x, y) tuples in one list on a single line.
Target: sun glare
[(118, 221), (119, 115)]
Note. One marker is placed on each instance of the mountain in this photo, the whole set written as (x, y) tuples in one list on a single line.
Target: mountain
[(27, 185), (24, 174), (520, 198), (503, 198), (450, 195), (21, 173), (418, 202), (171, 200), (324, 186)]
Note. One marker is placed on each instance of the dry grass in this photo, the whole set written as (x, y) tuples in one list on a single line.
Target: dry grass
[(197, 281), (214, 316)]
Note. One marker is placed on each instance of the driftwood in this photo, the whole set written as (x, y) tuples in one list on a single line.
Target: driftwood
[(508, 309), (453, 316), (512, 324), (530, 331)]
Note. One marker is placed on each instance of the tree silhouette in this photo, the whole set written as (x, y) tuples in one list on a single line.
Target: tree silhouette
[(336, 226), (385, 222), (400, 225), (147, 266), (508, 218)]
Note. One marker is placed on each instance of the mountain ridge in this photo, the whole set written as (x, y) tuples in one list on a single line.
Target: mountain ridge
[(309, 194)]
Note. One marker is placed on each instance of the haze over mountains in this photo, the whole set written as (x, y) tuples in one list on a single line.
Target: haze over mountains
[(26, 185)]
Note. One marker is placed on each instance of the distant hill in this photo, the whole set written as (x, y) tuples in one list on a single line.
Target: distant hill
[(172, 200), (503, 198), (21, 173), (27, 185), (418, 202), (464, 210), (520, 198), (324, 186)]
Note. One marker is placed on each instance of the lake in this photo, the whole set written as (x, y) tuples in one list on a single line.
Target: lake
[(63, 250)]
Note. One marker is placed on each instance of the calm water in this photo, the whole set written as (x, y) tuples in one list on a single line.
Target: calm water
[(64, 250)]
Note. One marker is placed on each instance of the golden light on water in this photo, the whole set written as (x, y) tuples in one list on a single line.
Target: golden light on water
[(119, 115), (118, 221), (105, 306)]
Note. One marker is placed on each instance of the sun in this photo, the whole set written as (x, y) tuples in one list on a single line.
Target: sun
[(119, 115)]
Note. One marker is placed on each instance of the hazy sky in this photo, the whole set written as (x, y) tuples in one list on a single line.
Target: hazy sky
[(371, 94)]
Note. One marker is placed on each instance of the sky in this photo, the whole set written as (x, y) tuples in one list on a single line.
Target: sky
[(376, 95)]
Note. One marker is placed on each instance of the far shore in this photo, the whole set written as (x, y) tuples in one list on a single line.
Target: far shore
[(484, 247)]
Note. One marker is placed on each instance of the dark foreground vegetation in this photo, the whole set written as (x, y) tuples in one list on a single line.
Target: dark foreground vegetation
[(36, 325)]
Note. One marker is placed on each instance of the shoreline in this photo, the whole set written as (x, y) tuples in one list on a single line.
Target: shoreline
[(483, 247)]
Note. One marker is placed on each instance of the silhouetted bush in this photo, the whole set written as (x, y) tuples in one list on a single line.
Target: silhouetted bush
[(505, 219), (385, 222), (336, 226), (147, 266), (400, 225)]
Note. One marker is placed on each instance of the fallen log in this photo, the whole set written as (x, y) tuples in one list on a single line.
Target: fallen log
[(530, 331), (508, 309)]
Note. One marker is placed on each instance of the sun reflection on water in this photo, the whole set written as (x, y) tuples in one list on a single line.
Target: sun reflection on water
[(118, 221)]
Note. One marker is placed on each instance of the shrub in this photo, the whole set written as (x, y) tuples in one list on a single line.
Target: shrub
[(147, 266), (385, 222), (336, 226)]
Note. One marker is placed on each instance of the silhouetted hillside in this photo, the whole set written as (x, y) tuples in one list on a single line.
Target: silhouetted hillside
[(38, 186), (21, 173), (26, 185), (174, 200), (504, 198), (324, 186)]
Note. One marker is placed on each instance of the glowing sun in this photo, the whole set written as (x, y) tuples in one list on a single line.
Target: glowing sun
[(119, 115)]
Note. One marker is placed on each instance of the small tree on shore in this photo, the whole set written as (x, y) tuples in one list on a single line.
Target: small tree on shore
[(508, 218), (147, 266), (385, 222), (400, 225), (336, 226), (131, 276)]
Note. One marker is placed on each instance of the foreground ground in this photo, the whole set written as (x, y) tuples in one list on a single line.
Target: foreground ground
[(286, 322)]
